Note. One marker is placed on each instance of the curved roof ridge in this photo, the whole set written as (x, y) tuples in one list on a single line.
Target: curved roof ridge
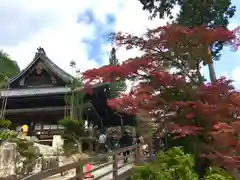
[(41, 55)]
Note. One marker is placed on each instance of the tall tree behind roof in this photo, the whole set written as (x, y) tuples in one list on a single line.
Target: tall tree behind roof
[(8, 68), (119, 86), (194, 13)]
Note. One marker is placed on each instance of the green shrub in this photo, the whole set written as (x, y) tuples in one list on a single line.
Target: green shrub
[(218, 174), (73, 133), (171, 165), (7, 134), (146, 172), (72, 127), (4, 123), (174, 164)]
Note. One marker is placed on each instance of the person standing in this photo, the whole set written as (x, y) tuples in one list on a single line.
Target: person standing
[(115, 142), (140, 141), (31, 129), (24, 130), (102, 143), (112, 141)]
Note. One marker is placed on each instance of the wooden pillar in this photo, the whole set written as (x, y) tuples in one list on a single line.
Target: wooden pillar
[(79, 172), (138, 155), (115, 166), (150, 148), (41, 130)]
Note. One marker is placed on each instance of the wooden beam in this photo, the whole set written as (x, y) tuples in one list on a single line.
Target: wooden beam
[(28, 110), (42, 109)]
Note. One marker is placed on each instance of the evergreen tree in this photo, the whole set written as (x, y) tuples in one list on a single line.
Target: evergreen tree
[(118, 86), (8, 68), (194, 13)]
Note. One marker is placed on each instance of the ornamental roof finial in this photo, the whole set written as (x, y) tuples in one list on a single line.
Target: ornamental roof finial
[(40, 51)]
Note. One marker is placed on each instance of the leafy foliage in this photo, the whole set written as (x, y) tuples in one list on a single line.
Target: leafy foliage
[(5, 123), (160, 7), (194, 13), (119, 86), (175, 164), (73, 133), (27, 151), (173, 46), (180, 102), (7, 134), (74, 128), (218, 174), (8, 68), (112, 58)]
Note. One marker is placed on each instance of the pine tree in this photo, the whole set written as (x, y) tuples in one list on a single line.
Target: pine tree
[(113, 58), (118, 86)]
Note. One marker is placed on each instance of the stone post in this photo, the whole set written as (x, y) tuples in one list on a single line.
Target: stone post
[(8, 155)]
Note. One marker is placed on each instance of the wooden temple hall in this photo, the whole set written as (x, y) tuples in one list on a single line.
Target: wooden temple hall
[(37, 96)]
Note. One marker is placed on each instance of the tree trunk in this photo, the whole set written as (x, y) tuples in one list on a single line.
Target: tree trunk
[(212, 73)]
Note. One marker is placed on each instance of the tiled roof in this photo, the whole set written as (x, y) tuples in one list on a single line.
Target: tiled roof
[(51, 65)]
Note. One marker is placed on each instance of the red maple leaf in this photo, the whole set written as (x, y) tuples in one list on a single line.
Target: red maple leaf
[(186, 106)]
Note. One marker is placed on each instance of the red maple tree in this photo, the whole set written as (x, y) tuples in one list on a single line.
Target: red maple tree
[(180, 102)]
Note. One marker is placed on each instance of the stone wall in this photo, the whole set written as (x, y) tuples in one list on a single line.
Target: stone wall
[(7, 159)]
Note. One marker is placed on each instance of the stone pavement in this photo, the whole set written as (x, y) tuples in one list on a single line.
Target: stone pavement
[(96, 173)]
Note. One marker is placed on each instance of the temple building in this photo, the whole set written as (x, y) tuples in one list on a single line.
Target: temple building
[(37, 96)]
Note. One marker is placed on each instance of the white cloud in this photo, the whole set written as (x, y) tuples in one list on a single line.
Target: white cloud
[(225, 74), (62, 38), (236, 76), (61, 41), (132, 19), (233, 24), (60, 44)]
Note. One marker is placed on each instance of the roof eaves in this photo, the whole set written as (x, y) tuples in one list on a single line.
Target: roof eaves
[(59, 71), (79, 89), (24, 70)]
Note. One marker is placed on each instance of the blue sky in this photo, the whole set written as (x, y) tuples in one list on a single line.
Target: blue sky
[(101, 33), (229, 64), (78, 30)]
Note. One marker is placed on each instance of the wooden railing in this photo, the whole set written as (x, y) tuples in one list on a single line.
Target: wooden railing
[(135, 157)]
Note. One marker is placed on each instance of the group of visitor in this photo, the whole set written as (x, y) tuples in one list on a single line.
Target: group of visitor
[(112, 142)]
